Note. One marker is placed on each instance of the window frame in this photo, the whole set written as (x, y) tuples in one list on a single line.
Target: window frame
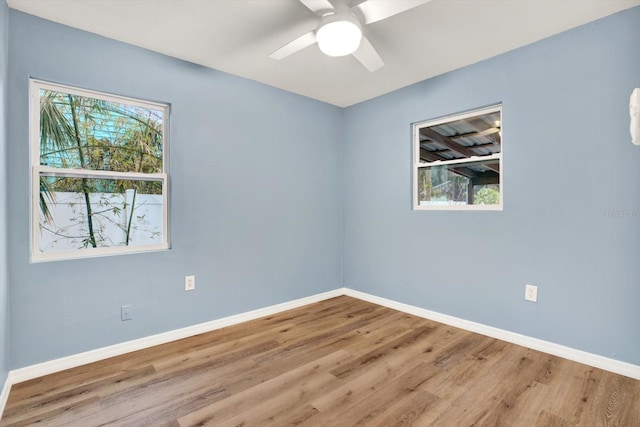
[(37, 170), (417, 164)]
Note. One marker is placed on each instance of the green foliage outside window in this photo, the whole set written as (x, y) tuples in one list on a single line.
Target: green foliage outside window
[(81, 132)]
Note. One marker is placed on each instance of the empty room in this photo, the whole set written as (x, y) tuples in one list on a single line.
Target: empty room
[(320, 213)]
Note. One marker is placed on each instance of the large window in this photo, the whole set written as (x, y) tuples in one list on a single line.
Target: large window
[(458, 160), (99, 181)]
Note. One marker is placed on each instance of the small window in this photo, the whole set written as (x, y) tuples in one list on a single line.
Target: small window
[(99, 173), (457, 161)]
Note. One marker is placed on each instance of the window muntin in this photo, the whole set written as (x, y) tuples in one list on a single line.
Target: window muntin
[(457, 161), (99, 182)]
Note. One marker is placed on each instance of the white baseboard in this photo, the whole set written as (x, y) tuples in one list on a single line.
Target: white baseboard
[(612, 365), (38, 370), (57, 365), (4, 394)]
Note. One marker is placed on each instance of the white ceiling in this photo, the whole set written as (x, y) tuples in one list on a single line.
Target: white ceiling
[(236, 36)]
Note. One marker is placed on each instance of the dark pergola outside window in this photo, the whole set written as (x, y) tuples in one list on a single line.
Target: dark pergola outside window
[(458, 161)]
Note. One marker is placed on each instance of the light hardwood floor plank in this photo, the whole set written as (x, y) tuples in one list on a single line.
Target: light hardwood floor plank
[(339, 362)]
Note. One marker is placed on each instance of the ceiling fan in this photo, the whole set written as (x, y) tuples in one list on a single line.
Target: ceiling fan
[(339, 31)]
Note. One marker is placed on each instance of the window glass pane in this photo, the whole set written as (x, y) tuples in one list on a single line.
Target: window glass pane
[(78, 213), (469, 183), (462, 138), (81, 132)]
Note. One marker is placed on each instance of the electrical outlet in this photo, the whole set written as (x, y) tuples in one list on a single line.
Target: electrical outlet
[(531, 293), (125, 312), (189, 283)]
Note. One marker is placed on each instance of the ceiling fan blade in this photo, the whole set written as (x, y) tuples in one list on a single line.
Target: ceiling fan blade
[(368, 56), (292, 47), (319, 7), (377, 10)]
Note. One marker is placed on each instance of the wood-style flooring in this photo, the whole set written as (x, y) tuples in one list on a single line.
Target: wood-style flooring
[(340, 362)]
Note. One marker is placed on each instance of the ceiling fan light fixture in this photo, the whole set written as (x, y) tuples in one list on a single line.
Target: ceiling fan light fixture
[(339, 37)]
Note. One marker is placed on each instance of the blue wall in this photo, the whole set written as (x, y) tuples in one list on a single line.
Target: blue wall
[(4, 307), (271, 193), (255, 207), (571, 219)]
